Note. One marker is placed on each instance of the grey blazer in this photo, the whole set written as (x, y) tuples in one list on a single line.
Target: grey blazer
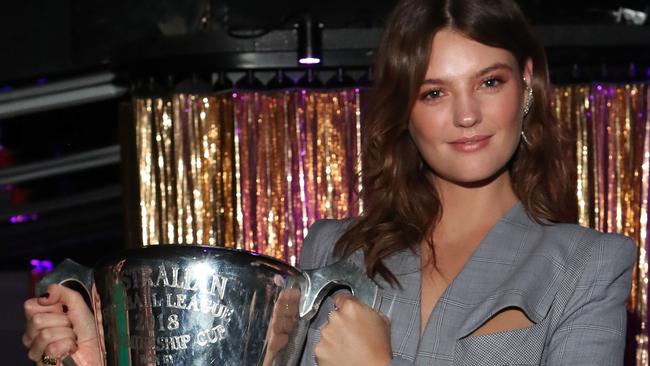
[(572, 282)]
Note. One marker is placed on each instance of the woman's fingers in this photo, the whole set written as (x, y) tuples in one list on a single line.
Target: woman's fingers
[(54, 342), (61, 348), (354, 334), (59, 323), (342, 298), (77, 310), (40, 321), (61, 294), (39, 317), (31, 307)]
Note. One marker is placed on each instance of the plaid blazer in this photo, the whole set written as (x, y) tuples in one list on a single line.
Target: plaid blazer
[(572, 282)]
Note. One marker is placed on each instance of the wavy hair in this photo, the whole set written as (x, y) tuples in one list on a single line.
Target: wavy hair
[(401, 206)]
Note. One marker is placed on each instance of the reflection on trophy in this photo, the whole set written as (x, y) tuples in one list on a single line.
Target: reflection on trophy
[(283, 321), (196, 305)]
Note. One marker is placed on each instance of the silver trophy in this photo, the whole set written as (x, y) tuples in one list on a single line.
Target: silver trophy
[(195, 305)]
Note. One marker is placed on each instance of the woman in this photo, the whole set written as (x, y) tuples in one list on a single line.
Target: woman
[(465, 192)]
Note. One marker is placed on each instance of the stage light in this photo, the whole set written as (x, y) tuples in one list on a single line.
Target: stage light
[(309, 42), (309, 60)]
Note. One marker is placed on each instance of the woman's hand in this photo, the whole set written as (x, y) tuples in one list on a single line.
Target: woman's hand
[(355, 334), (59, 323)]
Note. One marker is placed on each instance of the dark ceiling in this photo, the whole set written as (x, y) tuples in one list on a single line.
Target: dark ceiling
[(43, 37)]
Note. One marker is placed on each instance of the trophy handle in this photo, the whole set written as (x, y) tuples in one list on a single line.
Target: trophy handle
[(68, 271), (319, 282), (314, 285), (65, 272)]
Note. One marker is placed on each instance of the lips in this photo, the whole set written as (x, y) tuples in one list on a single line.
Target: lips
[(469, 144), (471, 140)]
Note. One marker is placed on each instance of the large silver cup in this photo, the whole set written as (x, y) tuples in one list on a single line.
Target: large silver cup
[(195, 305)]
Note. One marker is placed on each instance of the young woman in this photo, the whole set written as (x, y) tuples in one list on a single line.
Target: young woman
[(465, 187), (465, 228)]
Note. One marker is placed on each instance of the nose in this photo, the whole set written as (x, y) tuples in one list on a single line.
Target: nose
[(467, 111)]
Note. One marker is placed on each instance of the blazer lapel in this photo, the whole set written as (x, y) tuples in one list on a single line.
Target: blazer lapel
[(504, 272)]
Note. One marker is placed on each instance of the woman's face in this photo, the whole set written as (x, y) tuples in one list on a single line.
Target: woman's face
[(466, 121)]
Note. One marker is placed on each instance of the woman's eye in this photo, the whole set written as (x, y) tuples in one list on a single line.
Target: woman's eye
[(492, 82), (432, 94)]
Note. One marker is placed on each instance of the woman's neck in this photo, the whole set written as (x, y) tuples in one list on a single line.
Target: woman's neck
[(472, 208)]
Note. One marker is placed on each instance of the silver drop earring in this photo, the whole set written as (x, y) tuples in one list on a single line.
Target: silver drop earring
[(527, 105), (523, 136), (529, 100)]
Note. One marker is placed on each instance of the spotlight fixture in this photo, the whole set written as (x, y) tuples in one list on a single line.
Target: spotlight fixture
[(309, 42)]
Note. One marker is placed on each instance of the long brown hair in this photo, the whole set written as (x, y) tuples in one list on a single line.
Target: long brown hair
[(401, 206)]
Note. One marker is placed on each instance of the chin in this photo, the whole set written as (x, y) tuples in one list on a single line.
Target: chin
[(475, 178)]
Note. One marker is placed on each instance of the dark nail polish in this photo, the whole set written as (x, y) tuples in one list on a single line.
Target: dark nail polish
[(45, 295), (65, 308)]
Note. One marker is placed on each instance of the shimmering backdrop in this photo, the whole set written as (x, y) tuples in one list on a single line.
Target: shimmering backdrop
[(246, 170), (253, 170)]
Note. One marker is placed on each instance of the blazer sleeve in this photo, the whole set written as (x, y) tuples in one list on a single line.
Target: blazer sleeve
[(592, 329), (317, 248)]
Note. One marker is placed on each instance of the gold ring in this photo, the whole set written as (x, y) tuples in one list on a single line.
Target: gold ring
[(47, 360)]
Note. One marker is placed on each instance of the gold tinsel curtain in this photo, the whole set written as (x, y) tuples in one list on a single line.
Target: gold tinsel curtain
[(252, 170), (247, 170)]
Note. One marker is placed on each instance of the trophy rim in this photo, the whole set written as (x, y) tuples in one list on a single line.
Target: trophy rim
[(192, 250)]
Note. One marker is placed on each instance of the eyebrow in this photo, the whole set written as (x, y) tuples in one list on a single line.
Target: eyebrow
[(483, 72)]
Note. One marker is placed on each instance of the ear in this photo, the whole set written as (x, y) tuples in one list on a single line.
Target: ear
[(528, 71)]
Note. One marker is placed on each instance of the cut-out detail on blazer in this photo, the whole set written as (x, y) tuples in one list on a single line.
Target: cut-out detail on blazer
[(503, 321), (578, 309)]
